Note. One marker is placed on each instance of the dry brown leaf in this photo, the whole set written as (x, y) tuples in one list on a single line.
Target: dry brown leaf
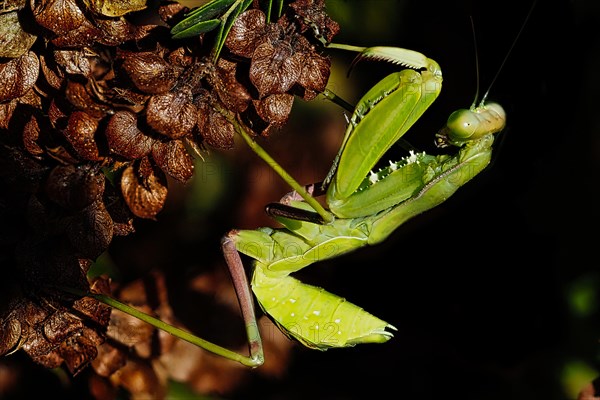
[(80, 133)]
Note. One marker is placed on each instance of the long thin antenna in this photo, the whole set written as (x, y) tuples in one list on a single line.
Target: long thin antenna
[(508, 53), (476, 63)]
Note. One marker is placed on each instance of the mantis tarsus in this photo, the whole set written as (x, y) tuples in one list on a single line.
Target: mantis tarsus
[(363, 208)]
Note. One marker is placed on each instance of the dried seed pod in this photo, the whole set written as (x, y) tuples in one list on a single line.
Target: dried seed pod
[(116, 8), (232, 94), (115, 31), (119, 212), (246, 31), (80, 133), (74, 187), (59, 16), (79, 350), (58, 326), (18, 75), (10, 336), (148, 71), (282, 61), (172, 114), (275, 109), (275, 68), (56, 115), (6, 112), (315, 72), (144, 188), (54, 76), (31, 134), (214, 128), (168, 10), (312, 14), (73, 62), (78, 95), (14, 41), (124, 137), (91, 308), (173, 158), (91, 230), (87, 34)]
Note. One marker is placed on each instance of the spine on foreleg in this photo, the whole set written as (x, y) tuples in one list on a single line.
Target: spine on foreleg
[(451, 174), (315, 317)]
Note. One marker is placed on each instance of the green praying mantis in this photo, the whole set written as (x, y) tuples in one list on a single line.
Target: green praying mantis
[(363, 208)]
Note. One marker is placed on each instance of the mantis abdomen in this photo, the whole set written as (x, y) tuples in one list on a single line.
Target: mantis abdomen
[(315, 317)]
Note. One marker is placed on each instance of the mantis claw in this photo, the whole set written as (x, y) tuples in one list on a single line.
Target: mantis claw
[(399, 56)]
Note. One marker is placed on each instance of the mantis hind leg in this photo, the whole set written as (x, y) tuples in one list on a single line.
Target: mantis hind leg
[(242, 289)]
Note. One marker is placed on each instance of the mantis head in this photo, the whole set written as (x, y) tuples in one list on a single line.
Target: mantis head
[(470, 124)]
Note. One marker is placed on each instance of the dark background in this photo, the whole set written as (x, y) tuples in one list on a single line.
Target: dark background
[(481, 288)]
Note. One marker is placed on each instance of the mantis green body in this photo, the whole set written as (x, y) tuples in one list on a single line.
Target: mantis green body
[(364, 207)]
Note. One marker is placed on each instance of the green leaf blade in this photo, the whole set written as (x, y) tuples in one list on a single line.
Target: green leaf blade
[(195, 30), (200, 16)]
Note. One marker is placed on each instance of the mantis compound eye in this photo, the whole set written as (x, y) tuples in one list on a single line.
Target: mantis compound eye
[(462, 124)]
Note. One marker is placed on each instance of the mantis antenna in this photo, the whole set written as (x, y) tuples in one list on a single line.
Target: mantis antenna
[(479, 120), (476, 64), (505, 57)]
